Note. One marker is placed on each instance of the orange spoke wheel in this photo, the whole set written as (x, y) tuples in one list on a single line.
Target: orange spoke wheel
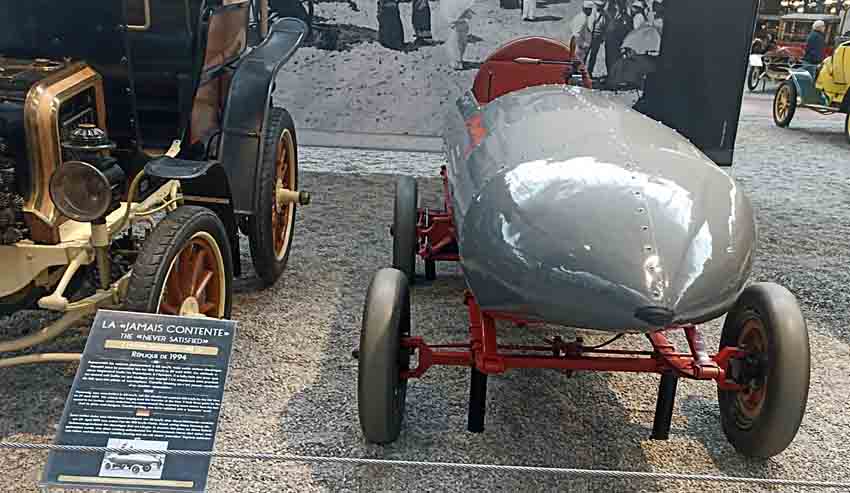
[(270, 229), (195, 283), (762, 417), (185, 267), (283, 215)]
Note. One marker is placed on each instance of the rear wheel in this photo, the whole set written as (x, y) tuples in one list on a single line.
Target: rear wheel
[(762, 419), (753, 78), (405, 216), (185, 267), (381, 392), (270, 230), (784, 104)]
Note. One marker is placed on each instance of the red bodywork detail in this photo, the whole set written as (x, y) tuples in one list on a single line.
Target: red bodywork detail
[(435, 229), (485, 354), (501, 74)]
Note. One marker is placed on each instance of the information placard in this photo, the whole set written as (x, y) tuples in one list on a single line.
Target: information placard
[(152, 382)]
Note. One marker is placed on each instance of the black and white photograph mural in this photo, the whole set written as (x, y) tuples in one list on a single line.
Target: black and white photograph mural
[(393, 66)]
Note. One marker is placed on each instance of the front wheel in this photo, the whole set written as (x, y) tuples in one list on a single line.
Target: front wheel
[(762, 419), (185, 267), (753, 78), (381, 391), (784, 104)]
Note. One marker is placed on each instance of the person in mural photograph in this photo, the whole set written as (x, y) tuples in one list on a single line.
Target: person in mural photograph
[(528, 9), (597, 33), (457, 13), (397, 65), (582, 28), (391, 29), (638, 14)]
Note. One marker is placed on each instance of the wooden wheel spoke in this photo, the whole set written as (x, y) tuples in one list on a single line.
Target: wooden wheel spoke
[(207, 307), (168, 308), (197, 268), (202, 285)]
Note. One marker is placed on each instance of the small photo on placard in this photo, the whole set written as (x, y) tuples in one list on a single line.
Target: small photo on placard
[(129, 464)]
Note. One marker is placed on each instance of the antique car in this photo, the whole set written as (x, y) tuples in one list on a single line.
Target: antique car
[(825, 91), (138, 138), (567, 208), (135, 463), (773, 57), (774, 65)]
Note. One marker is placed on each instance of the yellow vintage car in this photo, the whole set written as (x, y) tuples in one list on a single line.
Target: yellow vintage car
[(822, 88)]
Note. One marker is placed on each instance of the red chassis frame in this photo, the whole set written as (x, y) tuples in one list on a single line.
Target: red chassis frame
[(437, 242)]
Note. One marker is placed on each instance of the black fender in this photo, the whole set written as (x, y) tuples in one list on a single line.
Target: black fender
[(247, 108), (206, 184)]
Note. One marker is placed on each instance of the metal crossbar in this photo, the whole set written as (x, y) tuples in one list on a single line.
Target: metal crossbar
[(581, 473)]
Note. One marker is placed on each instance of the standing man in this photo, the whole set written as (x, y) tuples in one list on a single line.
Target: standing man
[(528, 7), (421, 18), (815, 44), (815, 47), (597, 34), (581, 29), (390, 29), (618, 28), (638, 14), (658, 15), (456, 13)]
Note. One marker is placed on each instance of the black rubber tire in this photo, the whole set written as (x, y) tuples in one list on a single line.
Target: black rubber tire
[(789, 86), (787, 371), (405, 215), (753, 78), (259, 230), (430, 270), (135, 469), (150, 270), (146, 468), (381, 393)]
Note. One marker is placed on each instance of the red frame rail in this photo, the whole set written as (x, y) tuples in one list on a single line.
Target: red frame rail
[(435, 230), (485, 354)]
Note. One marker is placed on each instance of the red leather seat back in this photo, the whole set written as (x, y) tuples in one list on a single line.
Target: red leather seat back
[(499, 74)]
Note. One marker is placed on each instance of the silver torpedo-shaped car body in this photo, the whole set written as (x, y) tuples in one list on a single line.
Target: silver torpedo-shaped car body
[(573, 208)]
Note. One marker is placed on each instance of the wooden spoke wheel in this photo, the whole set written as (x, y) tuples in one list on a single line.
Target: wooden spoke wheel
[(270, 231), (762, 418), (184, 268), (195, 282), (784, 104), (753, 78), (283, 214)]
